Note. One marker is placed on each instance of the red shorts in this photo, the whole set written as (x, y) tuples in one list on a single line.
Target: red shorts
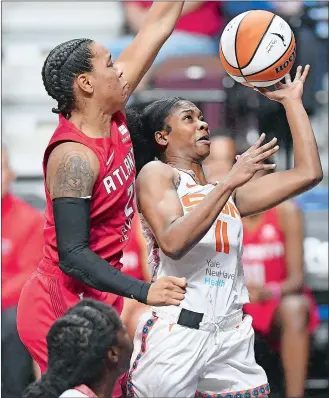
[(263, 314), (44, 298)]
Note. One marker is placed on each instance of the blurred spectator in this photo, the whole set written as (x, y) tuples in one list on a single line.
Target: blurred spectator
[(283, 310), (197, 31), (134, 262), (221, 158), (22, 243)]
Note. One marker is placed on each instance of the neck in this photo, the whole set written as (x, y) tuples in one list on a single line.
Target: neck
[(184, 164), (104, 388), (92, 122)]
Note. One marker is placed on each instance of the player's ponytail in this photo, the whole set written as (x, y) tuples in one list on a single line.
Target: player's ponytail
[(144, 123), (78, 344)]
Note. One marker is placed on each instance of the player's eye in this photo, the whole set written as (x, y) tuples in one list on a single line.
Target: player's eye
[(188, 117)]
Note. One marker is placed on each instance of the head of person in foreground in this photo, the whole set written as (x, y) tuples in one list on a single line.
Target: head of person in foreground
[(88, 346)]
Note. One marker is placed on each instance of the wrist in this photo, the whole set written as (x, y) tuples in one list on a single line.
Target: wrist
[(288, 101), (142, 298)]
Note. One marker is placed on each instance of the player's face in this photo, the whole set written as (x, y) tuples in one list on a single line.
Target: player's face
[(107, 80), (123, 350), (189, 136)]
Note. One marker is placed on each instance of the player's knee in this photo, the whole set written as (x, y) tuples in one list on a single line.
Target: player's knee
[(294, 312)]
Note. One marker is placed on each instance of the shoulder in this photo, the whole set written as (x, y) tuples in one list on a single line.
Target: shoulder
[(156, 169), (288, 212), (73, 149), (287, 208)]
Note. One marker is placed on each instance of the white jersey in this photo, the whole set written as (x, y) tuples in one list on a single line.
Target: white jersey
[(213, 267)]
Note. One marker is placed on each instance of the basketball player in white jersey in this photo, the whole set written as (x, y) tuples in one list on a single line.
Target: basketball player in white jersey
[(88, 349), (206, 345)]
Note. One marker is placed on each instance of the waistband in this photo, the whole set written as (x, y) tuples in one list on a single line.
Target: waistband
[(207, 322)]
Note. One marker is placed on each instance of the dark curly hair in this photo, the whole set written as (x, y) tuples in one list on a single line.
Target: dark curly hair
[(144, 123), (77, 346), (63, 64)]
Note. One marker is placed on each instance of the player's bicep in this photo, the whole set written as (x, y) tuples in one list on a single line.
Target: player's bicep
[(72, 170), (158, 201)]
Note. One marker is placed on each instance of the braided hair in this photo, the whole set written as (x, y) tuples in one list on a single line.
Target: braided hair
[(143, 125), (78, 343), (63, 64)]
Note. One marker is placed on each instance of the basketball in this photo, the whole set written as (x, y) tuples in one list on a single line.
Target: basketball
[(257, 48)]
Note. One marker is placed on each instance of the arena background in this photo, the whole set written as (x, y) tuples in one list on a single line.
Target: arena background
[(31, 29)]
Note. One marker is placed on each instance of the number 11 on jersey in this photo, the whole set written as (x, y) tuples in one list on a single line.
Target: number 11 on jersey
[(222, 242)]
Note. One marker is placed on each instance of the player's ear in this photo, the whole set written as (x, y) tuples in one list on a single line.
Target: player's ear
[(161, 137), (113, 354)]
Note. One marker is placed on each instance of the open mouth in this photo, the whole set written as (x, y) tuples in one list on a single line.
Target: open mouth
[(204, 139)]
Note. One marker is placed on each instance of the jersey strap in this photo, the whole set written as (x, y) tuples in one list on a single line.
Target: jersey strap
[(86, 390)]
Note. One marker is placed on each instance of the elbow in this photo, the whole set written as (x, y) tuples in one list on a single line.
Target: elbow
[(172, 250), (314, 178)]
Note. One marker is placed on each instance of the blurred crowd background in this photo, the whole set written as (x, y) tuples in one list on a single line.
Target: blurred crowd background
[(187, 66)]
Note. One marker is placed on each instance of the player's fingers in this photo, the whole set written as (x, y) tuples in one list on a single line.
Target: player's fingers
[(262, 90), (279, 86), (268, 166), (176, 296), (257, 144), (180, 282), (265, 147), (298, 73), (305, 73), (173, 302), (266, 155), (287, 78)]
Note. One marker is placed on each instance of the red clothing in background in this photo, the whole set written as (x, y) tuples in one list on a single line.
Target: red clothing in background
[(22, 246), (132, 258), (263, 262), (205, 20)]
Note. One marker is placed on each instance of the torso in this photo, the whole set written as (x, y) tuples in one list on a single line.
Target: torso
[(113, 193), (212, 267), (264, 251)]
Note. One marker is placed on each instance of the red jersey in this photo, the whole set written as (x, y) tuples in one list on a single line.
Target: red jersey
[(132, 259), (264, 251), (22, 243), (205, 20), (113, 194)]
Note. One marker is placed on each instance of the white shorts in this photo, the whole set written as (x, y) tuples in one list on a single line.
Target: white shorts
[(170, 360)]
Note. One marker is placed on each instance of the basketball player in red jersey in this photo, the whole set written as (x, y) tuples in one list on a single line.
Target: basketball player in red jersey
[(282, 309), (89, 175)]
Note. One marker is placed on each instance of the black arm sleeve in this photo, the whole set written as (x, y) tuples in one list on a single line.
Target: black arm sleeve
[(72, 223)]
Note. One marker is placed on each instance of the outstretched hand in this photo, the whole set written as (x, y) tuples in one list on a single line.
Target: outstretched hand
[(252, 161), (288, 90)]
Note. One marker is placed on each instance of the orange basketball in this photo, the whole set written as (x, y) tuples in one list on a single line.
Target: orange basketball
[(257, 48)]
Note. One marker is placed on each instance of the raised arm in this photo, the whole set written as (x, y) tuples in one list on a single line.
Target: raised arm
[(175, 232), (72, 170), (138, 57), (268, 191)]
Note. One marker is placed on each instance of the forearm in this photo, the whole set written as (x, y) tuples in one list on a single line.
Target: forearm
[(164, 15), (89, 268), (306, 155), (186, 231), (72, 223)]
